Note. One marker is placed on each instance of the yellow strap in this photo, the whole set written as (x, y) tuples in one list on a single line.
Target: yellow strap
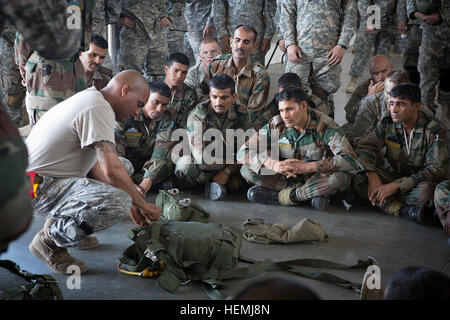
[(146, 273)]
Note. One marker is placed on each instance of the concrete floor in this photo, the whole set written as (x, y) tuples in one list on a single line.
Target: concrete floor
[(355, 234)]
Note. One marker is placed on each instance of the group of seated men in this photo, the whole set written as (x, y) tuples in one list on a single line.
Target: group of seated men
[(94, 156)]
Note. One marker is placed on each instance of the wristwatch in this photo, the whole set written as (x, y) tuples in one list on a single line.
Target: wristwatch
[(343, 46)]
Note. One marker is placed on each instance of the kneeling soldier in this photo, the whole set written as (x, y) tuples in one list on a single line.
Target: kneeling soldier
[(416, 150), (221, 113), (316, 156)]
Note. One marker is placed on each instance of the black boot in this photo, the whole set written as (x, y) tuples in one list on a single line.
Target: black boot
[(262, 195), (320, 203), (416, 213), (215, 191)]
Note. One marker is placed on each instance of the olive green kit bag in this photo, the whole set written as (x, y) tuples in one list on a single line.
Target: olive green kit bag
[(176, 206)]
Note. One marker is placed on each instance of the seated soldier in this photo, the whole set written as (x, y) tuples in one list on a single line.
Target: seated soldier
[(316, 158), (92, 60), (251, 78), (81, 183), (219, 173), (183, 98), (373, 108), (442, 204), (209, 48), (145, 139), (379, 67), (416, 150)]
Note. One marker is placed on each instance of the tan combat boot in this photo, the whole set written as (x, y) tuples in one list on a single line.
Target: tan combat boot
[(352, 84), (56, 258), (90, 242)]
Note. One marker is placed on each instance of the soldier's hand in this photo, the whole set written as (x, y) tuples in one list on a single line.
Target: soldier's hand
[(401, 26), (336, 55), (150, 212), (127, 22), (136, 216), (375, 87), (264, 45), (374, 184), (294, 53), (432, 18), (282, 45), (385, 191), (208, 31), (221, 178), (165, 22), (225, 41), (368, 30)]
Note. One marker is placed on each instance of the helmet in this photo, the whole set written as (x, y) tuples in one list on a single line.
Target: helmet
[(426, 6)]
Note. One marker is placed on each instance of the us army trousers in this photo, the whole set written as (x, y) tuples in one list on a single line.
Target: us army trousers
[(310, 186), (80, 206), (421, 194), (192, 174), (442, 200), (381, 39), (316, 68), (194, 38)]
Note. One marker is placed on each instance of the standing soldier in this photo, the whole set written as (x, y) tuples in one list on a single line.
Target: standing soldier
[(145, 139), (177, 40), (316, 35), (260, 14), (215, 170), (11, 81), (371, 35), (416, 150), (434, 51), (200, 24), (141, 22), (251, 78), (316, 158)]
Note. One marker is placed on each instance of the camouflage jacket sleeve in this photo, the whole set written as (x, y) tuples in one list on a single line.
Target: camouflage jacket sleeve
[(43, 25), (349, 22), (436, 163), (161, 153), (119, 134), (411, 8), (352, 106), (368, 148), (22, 51), (445, 12), (288, 22), (260, 93), (175, 8), (112, 9), (344, 157), (269, 18), (401, 10), (220, 18), (253, 153), (367, 117), (277, 19), (362, 6)]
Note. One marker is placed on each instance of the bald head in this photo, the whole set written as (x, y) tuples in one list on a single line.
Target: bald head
[(380, 67), (127, 92)]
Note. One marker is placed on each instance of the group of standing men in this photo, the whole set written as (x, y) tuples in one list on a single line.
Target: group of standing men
[(100, 142)]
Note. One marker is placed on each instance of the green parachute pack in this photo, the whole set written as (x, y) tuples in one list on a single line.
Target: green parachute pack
[(179, 252), (18, 284), (427, 6)]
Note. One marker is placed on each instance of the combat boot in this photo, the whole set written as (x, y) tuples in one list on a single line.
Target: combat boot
[(352, 84), (262, 195), (90, 242), (415, 213), (215, 191), (320, 203), (56, 258)]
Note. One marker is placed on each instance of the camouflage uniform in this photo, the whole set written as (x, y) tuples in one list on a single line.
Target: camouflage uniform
[(205, 118), (181, 103), (105, 12), (260, 14), (322, 141), (316, 27), (442, 200), (416, 174), (433, 52), (80, 206), (198, 14), (136, 44), (381, 38), (146, 143), (252, 83), (177, 39), (100, 78), (352, 106), (196, 80), (48, 81), (11, 81)]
